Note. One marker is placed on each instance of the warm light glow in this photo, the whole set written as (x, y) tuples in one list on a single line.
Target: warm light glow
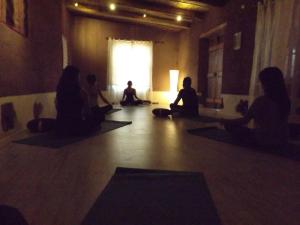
[(179, 18), (112, 7), (76, 4), (174, 74), (145, 15), (132, 60)]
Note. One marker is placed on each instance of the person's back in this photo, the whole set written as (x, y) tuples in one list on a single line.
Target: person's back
[(129, 94), (69, 102), (270, 127), (189, 98), (92, 92)]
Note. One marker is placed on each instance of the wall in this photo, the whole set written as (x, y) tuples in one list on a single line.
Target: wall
[(237, 64), (32, 64), (89, 47), (23, 106)]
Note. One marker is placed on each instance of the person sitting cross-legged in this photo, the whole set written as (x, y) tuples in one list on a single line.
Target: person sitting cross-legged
[(189, 98), (93, 92), (129, 96), (269, 113)]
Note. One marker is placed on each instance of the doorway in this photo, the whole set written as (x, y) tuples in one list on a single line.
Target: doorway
[(210, 72)]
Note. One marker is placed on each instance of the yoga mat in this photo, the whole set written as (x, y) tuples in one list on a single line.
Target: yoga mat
[(113, 111), (205, 119), (153, 197), (292, 151), (52, 141)]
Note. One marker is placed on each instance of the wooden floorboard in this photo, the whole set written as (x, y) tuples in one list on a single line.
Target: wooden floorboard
[(58, 186)]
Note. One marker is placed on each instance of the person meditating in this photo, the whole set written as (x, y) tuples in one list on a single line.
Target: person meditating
[(269, 112), (93, 92), (189, 98), (73, 114), (129, 96)]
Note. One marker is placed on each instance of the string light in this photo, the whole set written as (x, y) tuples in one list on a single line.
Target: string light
[(76, 4), (112, 6), (178, 18), (145, 15)]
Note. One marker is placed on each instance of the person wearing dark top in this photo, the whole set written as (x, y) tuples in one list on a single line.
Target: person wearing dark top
[(93, 92), (270, 114), (73, 115), (189, 99), (129, 96)]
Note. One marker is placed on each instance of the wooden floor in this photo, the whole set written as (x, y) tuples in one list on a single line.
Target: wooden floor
[(58, 186)]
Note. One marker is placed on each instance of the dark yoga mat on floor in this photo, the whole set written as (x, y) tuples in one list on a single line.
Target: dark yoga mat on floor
[(292, 151), (113, 111), (205, 119), (154, 197), (52, 141)]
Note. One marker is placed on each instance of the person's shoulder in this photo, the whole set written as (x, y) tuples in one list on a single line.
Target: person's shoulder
[(181, 91), (193, 90), (262, 102)]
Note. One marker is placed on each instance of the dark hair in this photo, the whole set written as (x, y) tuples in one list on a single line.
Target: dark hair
[(187, 81), (69, 79), (274, 87), (68, 85), (91, 78), (129, 82)]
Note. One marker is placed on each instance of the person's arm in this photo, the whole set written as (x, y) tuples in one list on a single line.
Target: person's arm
[(85, 98), (103, 98), (179, 96), (124, 94), (254, 108), (134, 94)]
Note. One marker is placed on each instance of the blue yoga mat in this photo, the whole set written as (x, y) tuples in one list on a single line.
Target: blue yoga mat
[(154, 197), (50, 140)]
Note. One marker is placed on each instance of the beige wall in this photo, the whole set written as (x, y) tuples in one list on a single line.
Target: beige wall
[(89, 47), (189, 43), (237, 64), (32, 64)]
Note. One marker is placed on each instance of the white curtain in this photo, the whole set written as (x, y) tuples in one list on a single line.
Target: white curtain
[(129, 60), (276, 41)]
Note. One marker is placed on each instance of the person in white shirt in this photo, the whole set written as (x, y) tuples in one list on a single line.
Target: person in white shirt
[(93, 92)]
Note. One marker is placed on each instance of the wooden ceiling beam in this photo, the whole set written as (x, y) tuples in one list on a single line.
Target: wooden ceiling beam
[(139, 6), (184, 5), (162, 24)]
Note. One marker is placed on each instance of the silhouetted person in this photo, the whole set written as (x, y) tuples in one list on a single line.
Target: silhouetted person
[(189, 99), (269, 112), (93, 92), (73, 113), (11, 216), (129, 96)]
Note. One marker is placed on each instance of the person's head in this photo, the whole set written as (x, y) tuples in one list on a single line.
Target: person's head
[(129, 83), (91, 79), (69, 78), (272, 82), (187, 82)]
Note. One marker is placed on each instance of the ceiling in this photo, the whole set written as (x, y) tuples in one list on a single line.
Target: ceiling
[(158, 13)]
